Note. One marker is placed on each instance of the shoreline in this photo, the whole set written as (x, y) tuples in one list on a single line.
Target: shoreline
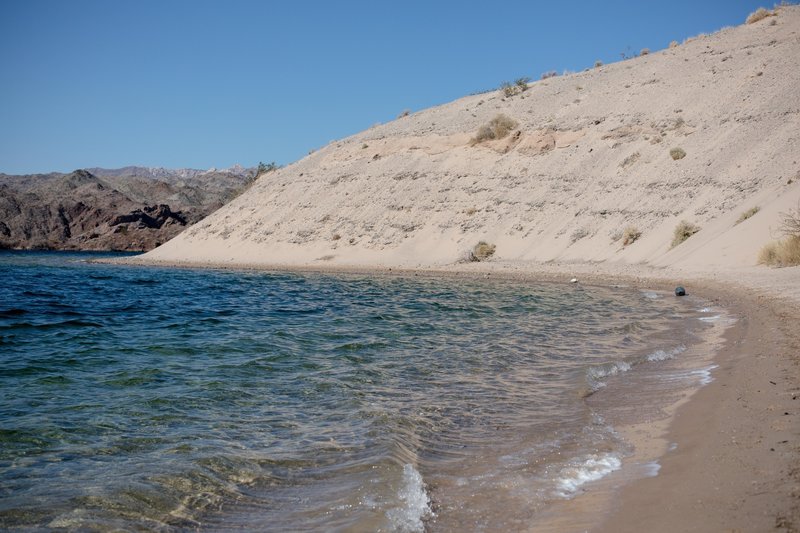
[(733, 463)]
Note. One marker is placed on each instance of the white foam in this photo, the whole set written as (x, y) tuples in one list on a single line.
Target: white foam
[(663, 355), (596, 374), (581, 471), (651, 469), (713, 318), (416, 505), (609, 369), (650, 295), (704, 374)]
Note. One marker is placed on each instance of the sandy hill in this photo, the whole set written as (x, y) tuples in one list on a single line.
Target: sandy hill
[(590, 155)]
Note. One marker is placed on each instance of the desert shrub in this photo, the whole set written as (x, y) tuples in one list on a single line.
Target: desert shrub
[(497, 128), (630, 235), (790, 223), (782, 253), (549, 74), (644, 52), (480, 252), (785, 252), (683, 231), (485, 133), (677, 153), (336, 237), (673, 44), (578, 234), (471, 211), (747, 214), (263, 168), (598, 64), (758, 14), (404, 113), (508, 89)]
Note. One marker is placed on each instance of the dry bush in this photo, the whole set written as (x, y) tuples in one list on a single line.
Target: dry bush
[(790, 222), (549, 74), (758, 14), (630, 235), (747, 214), (677, 153), (508, 89), (673, 44), (683, 231), (497, 128), (644, 52), (598, 64), (404, 113), (578, 234), (783, 253), (480, 252)]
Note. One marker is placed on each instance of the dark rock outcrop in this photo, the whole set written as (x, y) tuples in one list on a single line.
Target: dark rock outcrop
[(83, 211)]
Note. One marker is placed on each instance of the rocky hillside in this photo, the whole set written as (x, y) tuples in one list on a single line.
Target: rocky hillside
[(131, 209), (601, 165)]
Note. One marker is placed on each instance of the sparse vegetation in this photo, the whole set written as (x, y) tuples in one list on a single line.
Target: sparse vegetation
[(630, 235), (683, 231), (759, 14), (677, 153), (578, 234), (480, 252), (404, 113), (497, 128), (549, 74), (747, 214), (263, 168), (598, 64), (790, 222), (336, 237), (471, 211), (520, 85), (785, 252), (673, 44), (644, 52)]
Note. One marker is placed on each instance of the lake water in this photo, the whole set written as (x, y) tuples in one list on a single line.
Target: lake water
[(168, 399)]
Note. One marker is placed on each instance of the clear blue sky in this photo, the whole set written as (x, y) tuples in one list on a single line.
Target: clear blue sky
[(196, 83)]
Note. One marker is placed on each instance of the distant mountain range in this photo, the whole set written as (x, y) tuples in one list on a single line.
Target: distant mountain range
[(131, 208)]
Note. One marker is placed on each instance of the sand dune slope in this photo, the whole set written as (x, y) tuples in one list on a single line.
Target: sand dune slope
[(590, 156)]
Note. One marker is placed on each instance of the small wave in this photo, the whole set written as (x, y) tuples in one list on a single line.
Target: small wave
[(53, 325), (650, 295), (704, 374), (416, 505), (8, 313), (663, 355), (581, 471), (651, 469), (596, 374)]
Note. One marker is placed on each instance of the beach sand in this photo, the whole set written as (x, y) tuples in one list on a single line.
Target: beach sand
[(590, 156)]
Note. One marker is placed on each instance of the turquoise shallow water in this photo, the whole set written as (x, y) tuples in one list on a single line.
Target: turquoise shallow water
[(148, 398)]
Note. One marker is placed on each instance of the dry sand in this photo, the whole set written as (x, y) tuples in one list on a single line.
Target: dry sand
[(589, 157)]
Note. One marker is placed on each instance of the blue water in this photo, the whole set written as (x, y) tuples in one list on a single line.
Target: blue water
[(151, 398)]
